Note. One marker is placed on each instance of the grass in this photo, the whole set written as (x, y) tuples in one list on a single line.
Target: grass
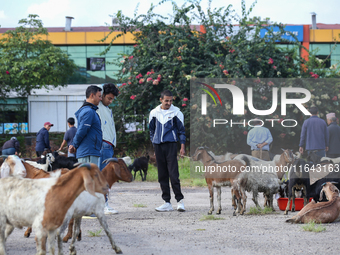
[(139, 205), (95, 234), (210, 217), (260, 211), (187, 178), (200, 229), (312, 226)]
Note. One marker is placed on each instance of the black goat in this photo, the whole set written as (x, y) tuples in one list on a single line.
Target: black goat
[(298, 179), (59, 162), (140, 164)]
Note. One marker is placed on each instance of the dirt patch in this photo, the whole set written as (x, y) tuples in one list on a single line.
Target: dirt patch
[(139, 229)]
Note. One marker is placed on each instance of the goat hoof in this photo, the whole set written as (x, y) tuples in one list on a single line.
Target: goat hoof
[(27, 235), (65, 239), (218, 212), (118, 250), (293, 209), (234, 213), (285, 213)]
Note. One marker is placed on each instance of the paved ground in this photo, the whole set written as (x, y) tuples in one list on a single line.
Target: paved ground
[(142, 230)]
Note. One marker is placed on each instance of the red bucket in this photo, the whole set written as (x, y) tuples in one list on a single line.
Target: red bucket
[(282, 203)]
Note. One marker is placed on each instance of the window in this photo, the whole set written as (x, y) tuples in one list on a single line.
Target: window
[(326, 60), (95, 64)]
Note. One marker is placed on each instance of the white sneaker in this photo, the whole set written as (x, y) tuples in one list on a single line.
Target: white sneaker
[(180, 206), (166, 207), (109, 210)]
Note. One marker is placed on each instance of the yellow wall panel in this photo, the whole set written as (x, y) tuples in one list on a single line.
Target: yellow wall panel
[(93, 37), (322, 35), (119, 40), (336, 35), (75, 37), (57, 37), (129, 38)]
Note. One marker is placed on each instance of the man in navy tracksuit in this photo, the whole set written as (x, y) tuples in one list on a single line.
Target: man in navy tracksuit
[(88, 139), (166, 124)]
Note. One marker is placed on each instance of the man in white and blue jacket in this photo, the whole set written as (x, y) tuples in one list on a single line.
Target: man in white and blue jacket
[(88, 140), (166, 125)]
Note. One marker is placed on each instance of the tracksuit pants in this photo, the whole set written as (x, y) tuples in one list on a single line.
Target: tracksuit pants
[(166, 157)]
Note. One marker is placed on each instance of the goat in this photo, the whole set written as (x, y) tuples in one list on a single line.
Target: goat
[(323, 212), (12, 166), (255, 181), (298, 179), (63, 162), (127, 160), (114, 170), (140, 164), (45, 166), (50, 200), (218, 179)]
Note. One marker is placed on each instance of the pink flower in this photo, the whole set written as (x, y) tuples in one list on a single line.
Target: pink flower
[(159, 76), (274, 67), (311, 73), (139, 76), (184, 105), (124, 84), (158, 79), (232, 51), (155, 82), (270, 61), (149, 79), (315, 76), (225, 72), (280, 120), (148, 73), (132, 97), (270, 83), (282, 135), (131, 57), (185, 99), (135, 45), (7, 72), (264, 98), (141, 81), (335, 98), (222, 66), (245, 132), (233, 82), (129, 82)]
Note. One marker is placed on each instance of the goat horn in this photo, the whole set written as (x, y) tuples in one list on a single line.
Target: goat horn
[(88, 165), (3, 156), (334, 182), (106, 161), (323, 184)]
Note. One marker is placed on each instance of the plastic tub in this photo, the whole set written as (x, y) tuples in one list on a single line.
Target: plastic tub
[(282, 203)]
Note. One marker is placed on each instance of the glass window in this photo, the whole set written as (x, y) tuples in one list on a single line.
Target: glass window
[(76, 49), (335, 59), (111, 77), (112, 65), (335, 49), (321, 49), (115, 51), (97, 77), (96, 49)]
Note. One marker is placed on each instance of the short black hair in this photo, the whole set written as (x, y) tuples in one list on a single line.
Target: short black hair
[(110, 88), (313, 110), (166, 93), (92, 89), (71, 121)]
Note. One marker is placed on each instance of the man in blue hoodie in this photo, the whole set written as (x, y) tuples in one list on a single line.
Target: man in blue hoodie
[(166, 123), (88, 140)]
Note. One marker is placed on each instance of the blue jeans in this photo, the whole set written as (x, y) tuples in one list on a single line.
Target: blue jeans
[(89, 159), (320, 153), (9, 151), (105, 153)]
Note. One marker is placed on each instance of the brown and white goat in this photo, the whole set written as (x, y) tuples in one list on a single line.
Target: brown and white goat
[(218, 178), (43, 203), (322, 212)]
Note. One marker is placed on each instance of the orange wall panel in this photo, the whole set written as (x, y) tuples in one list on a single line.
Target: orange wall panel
[(57, 37), (94, 37), (75, 37)]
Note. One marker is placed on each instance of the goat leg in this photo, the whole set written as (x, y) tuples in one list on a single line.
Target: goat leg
[(293, 200), (219, 209), (76, 227), (103, 222), (288, 206), (28, 232), (211, 193), (69, 231)]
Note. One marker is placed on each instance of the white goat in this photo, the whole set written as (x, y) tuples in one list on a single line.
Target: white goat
[(49, 159), (335, 160), (127, 160)]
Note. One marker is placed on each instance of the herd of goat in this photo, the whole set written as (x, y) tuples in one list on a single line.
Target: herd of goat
[(52, 193)]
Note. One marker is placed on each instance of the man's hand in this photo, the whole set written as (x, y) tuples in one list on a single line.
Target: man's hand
[(301, 150), (327, 148), (182, 151), (72, 149)]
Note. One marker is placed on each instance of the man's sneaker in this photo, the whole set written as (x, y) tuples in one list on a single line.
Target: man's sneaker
[(180, 206), (166, 207), (109, 210)]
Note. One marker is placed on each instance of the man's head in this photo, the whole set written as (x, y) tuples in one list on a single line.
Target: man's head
[(166, 99), (93, 94), (314, 110), (110, 91), (331, 118), (71, 121), (48, 125)]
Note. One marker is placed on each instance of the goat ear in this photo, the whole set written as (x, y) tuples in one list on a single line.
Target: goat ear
[(89, 183), (5, 169)]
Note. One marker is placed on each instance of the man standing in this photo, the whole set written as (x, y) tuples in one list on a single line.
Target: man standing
[(314, 134), (259, 139), (11, 147), (334, 136), (88, 140), (109, 131), (166, 123), (68, 137), (43, 141)]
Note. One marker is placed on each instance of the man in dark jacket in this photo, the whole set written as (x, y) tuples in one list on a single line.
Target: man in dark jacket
[(314, 134), (88, 139), (334, 136), (43, 141), (11, 147), (166, 125)]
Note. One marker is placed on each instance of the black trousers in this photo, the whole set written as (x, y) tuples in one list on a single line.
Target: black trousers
[(166, 157)]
